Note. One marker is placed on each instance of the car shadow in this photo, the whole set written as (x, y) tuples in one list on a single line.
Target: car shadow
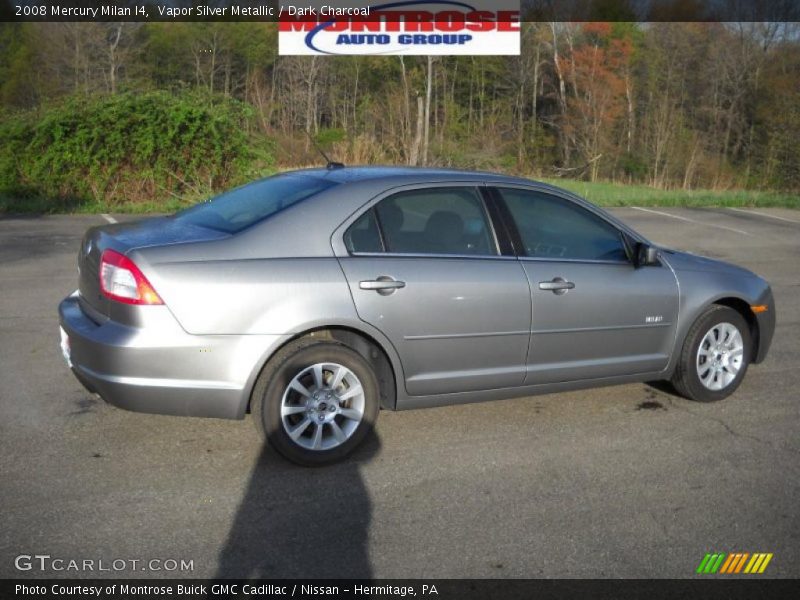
[(665, 387), (296, 522)]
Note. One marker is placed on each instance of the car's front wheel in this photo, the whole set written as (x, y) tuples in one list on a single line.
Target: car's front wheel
[(316, 401), (715, 356)]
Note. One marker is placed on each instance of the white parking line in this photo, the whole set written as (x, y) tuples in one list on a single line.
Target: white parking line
[(755, 212), (108, 218), (658, 212)]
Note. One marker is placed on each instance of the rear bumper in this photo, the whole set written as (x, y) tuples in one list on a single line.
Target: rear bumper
[(159, 368)]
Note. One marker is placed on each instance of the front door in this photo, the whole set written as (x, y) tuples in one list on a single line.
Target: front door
[(593, 314)]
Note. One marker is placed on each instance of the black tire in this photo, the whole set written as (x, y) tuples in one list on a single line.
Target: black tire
[(686, 378), (277, 375)]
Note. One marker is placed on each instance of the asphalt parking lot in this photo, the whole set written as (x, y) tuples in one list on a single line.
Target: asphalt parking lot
[(626, 481)]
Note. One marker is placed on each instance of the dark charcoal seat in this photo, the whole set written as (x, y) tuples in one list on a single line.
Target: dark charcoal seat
[(444, 233)]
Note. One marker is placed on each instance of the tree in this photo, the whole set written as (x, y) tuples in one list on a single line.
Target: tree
[(595, 68)]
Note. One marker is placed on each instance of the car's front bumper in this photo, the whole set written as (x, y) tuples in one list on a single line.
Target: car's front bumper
[(159, 368), (766, 325)]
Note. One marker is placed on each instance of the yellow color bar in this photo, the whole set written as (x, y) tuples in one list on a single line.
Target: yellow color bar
[(765, 563), (752, 566)]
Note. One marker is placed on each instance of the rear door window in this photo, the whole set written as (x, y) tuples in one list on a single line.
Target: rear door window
[(441, 220), (363, 235)]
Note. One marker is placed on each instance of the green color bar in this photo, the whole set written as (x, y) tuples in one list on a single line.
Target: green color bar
[(711, 562), (718, 564), (703, 563)]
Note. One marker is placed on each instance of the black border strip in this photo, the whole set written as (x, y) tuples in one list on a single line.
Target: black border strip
[(705, 587), (530, 10)]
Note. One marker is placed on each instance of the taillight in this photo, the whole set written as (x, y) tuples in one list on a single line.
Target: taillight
[(121, 280)]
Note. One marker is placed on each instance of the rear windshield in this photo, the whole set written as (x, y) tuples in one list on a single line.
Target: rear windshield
[(235, 210)]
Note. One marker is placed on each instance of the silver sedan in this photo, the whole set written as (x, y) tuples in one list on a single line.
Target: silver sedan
[(315, 298)]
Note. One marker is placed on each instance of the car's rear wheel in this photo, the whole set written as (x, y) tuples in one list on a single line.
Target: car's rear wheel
[(715, 356), (316, 401)]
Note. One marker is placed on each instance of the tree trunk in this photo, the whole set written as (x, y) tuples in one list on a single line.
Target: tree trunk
[(535, 95), (311, 100), (112, 59), (629, 98), (413, 158), (355, 98), (407, 109), (562, 92), (427, 111), (521, 122)]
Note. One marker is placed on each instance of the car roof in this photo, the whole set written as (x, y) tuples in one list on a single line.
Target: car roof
[(367, 173), (392, 176)]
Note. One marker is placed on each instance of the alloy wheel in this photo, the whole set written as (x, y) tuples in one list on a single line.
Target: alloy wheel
[(322, 406), (720, 356)]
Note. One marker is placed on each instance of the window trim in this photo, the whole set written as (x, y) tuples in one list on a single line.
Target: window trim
[(352, 223), (437, 256), (502, 233), (516, 236), (506, 220), (378, 225), (476, 186)]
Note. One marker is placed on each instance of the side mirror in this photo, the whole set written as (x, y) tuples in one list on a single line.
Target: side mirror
[(645, 255)]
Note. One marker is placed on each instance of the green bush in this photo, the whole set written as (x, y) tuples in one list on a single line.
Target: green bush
[(330, 135), (128, 149), (633, 166)]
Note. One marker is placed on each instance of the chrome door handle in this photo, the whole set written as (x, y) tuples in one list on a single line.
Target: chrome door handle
[(558, 286), (383, 285)]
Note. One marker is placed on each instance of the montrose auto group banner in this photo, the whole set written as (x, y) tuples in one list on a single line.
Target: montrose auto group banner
[(403, 27)]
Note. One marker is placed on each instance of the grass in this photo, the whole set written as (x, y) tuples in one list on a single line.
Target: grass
[(618, 194), (600, 193), (39, 205)]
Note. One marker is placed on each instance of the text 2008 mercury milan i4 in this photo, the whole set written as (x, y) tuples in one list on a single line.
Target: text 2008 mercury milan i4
[(315, 298)]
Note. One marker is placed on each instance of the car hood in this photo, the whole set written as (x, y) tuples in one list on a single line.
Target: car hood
[(686, 261)]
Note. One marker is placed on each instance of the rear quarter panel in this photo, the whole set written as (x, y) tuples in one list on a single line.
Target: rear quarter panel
[(277, 276), (253, 296)]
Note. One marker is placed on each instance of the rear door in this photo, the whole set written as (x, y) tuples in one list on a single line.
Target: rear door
[(594, 314), (424, 267)]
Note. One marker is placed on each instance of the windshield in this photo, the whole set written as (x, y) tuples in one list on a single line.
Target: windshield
[(235, 210)]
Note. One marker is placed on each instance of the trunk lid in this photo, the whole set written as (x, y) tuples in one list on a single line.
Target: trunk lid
[(124, 237)]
